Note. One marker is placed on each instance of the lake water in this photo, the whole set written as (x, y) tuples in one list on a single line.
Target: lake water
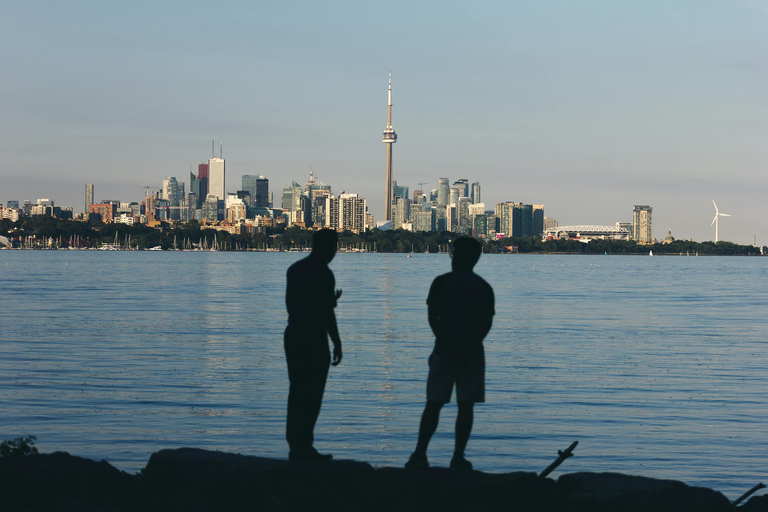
[(658, 366)]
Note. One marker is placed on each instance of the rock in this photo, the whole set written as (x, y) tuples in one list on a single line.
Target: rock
[(193, 479), (190, 479), (755, 504), (595, 492), (60, 481)]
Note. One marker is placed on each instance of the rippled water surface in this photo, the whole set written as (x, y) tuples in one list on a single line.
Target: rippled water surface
[(657, 366)]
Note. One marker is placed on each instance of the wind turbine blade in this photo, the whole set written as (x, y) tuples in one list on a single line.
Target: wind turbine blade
[(713, 202), (713, 221), (725, 214)]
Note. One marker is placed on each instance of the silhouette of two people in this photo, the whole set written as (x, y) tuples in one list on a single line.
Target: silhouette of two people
[(310, 298), (460, 312)]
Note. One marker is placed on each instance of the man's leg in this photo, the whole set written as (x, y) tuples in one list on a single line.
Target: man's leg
[(429, 420), (464, 420), (307, 373)]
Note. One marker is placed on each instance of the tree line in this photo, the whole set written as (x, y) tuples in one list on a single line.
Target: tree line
[(67, 233)]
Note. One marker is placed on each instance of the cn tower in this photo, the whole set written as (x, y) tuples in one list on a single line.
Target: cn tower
[(389, 138)]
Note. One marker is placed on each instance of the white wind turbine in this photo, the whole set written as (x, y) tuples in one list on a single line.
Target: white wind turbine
[(716, 221)]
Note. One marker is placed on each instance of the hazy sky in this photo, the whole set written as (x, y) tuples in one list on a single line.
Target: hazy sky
[(588, 107)]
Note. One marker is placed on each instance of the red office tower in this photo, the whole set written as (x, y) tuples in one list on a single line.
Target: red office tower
[(202, 175)]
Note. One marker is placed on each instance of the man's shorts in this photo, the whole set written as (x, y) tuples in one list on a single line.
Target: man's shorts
[(467, 374)]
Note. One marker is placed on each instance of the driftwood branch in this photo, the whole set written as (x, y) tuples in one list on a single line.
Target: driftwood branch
[(561, 456), (748, 493)]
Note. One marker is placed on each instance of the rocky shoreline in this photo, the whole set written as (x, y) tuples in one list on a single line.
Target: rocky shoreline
[(191, 479)]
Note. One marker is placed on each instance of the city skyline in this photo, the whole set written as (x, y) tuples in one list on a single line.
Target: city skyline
[(589, 109)]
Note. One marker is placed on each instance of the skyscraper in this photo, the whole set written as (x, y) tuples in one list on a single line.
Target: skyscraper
[(443, 191), (389, 138), (475, 195), (642, 228), (261, 199), (88, 197), (172, 192), (216, 176), (463, 185), (249, 182), (202, 175)]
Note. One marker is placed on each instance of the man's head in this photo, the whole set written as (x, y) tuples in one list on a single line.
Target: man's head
[(465, 253), (324, 244)]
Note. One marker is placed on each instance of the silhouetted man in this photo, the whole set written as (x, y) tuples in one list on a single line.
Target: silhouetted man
[(461, 309), (310, 299)]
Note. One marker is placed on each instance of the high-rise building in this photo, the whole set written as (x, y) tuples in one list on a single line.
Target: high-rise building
[(642, 228), (398, 191), (443, 192), (258, 187), (194, 188), (423, 220), (249, 182), (480, 225), (202, 175), (261, 199), (454, 195), (552, 223), (217, 178), (463, 185), (346, 213), (293, 203), (463, 217), (475, 194), (173, 192), (317, 200), (401, 213), (389, 138), (538, 219), (88, 197), (213, 209)]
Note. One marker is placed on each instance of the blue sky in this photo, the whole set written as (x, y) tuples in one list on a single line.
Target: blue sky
[(586, 107)]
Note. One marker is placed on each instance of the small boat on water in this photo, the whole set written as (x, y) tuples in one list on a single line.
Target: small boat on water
[(156, 248)]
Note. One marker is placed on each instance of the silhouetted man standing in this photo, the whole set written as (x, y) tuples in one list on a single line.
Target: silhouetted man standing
[(461, 308), (310, 299)]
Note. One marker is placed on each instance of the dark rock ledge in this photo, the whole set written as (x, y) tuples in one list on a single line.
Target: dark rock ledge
[(191, 479)]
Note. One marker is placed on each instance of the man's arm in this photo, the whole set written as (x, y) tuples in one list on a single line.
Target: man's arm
[(486, 319), (433, 311), (333, 332), (434, 318)]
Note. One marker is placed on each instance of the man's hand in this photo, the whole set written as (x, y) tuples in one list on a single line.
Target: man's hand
[(338, 294), (337, 355)]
